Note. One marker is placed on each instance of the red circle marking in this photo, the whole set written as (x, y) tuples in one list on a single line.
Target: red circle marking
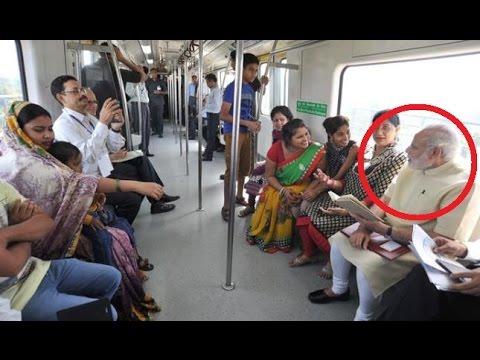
[(408, 216)]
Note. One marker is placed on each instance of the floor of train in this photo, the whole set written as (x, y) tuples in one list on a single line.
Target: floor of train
[(189, 249)]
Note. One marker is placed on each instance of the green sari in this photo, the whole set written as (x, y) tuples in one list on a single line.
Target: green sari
[(271, 227)]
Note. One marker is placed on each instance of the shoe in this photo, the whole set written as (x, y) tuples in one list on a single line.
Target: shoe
[(326, 272), (149, 154), (144, 264), (246, 211), (225, 214), (160, 207), (160, 136), (167, 198), (320, 297), (241, 201), (222, 177), (302, 259), (206, 158), (220, 150)]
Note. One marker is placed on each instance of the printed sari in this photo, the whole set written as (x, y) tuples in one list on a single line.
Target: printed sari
[(67, 196), (271, 227), (64, 194)]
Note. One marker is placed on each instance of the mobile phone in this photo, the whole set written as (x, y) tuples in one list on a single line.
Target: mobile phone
[(452, 267)]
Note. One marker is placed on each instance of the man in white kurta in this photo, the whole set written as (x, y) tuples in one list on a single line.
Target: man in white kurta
[(431, 181)]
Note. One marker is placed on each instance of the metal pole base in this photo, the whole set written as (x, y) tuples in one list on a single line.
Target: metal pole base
[(228, 287), (200, 209)]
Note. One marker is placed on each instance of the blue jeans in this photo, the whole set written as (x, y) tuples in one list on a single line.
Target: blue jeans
[(68, 283)]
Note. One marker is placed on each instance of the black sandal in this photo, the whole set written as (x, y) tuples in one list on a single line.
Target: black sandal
[(144, 265)]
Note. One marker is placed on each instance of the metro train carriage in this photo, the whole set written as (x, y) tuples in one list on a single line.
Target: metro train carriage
[(129, 146)]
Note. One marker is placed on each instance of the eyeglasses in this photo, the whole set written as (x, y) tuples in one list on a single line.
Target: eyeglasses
[(75, 91), (92, 102)]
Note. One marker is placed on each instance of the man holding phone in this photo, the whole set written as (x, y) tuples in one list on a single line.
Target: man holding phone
[(415, 298), (96, 138)]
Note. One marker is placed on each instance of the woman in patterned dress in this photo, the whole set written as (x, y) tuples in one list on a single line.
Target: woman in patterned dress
[(322, 218)]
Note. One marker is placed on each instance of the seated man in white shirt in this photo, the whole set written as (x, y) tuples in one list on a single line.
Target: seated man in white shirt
[(416, 299), (96, 139)]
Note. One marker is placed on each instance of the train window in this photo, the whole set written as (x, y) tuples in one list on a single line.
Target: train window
[(283, 83), (10, 77), (266, 99), (451, 83), (230, 77)]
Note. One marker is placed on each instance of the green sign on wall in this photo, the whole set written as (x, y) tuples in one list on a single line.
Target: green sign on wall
[(308, 107)]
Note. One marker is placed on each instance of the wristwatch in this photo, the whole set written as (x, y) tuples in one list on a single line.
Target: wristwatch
[(389, 231)]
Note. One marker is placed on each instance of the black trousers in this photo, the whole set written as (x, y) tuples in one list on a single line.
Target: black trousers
[(156, 113), (212, 131), (127, 204), (415, 298)]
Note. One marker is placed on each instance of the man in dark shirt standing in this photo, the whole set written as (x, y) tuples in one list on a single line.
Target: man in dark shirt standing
[(157, 89)]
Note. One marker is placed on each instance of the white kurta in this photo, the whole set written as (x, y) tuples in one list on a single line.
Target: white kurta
[(417, 192)]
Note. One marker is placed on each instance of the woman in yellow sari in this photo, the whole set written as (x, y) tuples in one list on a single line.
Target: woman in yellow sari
[(288, 169)]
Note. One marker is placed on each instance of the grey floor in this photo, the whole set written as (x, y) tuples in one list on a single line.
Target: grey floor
[(189, 250)]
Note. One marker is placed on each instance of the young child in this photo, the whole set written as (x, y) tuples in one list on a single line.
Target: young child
[(280, 115), (113, 242)]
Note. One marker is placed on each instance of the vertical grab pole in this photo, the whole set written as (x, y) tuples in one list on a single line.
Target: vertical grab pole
[(229, 285), (179, 103), (171, 107), (123, 95), (259, 106), (141, 131), (200, 125), (187, 132)]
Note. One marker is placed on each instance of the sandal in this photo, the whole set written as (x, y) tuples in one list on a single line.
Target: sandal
[(302, 259), (246, 211), (150, 305), (241, 201), (225, 214), (326, 272), (144, 264)]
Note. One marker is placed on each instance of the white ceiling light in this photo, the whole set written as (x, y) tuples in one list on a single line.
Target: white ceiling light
[(147, 49), (150, 61)]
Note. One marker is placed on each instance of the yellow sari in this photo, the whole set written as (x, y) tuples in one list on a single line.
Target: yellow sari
[(272, 223)]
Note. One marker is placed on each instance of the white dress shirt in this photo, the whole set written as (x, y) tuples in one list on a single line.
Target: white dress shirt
[(93, 139), (214, 100)]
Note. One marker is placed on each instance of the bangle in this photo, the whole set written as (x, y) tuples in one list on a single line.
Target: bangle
[(282, 192), (117, 186)]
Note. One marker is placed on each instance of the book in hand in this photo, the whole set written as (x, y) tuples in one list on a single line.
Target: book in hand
[(130, 155), (354, 206), (379, 244)]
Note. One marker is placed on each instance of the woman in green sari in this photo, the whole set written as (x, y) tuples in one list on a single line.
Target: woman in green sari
[(289, 167)]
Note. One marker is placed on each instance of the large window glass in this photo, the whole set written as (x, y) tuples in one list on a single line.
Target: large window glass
[(10, 78), (230, 77), (451, 83)]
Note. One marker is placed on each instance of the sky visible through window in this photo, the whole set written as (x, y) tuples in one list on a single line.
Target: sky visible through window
[(451, 83)]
